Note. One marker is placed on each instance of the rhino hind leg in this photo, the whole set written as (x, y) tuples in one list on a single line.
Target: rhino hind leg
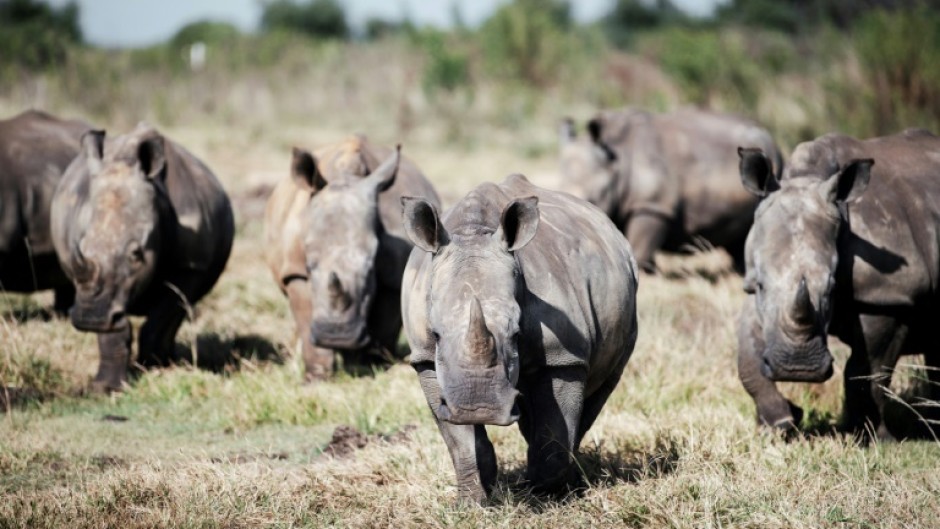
[(64, 299), (550, 420), (114, 349), (877, 343), (647, 233)]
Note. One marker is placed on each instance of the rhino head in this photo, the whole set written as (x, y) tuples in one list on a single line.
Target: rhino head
[(114, 259), (589, 164), (473, 311), (791, 258), (341, 242)]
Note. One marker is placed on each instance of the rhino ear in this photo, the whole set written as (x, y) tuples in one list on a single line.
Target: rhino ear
[(595, 128), (519, 222), (756, 171), (303, 170), (422, 224), (848, 184), (93, 147), (384, 175), (151, 155)]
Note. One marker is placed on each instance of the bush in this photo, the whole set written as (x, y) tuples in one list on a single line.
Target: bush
[(318, 18), (526, 40), (35, 35), (206, 31), (627, 17), (900, 52)]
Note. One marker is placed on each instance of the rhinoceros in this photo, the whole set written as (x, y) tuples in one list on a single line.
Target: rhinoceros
[(668, 181), (337, 249), (519, 304), (141, 227), (35, 149), (846, 244)]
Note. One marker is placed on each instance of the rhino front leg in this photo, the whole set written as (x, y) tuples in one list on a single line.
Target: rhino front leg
[(876, 346), (772, 408), (646, 233), (114, 349), (470, 449), (318, 362), (549, 420)]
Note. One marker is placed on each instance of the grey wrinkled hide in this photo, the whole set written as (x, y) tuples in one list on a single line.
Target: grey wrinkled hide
[(337, 249), (35, 149), (668, 181), (143, 228), (520, 303), (846, 248)]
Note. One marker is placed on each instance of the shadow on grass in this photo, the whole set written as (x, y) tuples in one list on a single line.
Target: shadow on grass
[(910, 416), (218, 354), (594, 467)]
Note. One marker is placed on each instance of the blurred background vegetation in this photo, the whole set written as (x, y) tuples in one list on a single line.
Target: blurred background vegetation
[(801, 67)]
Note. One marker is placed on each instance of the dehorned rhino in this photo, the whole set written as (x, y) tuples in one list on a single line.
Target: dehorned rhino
[(337, 249), (846, 244), (519, 304), (35, 149), (141, 227), (668, 181)]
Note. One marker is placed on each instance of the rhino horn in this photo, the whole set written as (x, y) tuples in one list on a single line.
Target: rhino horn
[(478, 336), (338, 297), (802, 311)]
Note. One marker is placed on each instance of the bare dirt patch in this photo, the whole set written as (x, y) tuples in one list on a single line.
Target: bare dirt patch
[(347, 440)]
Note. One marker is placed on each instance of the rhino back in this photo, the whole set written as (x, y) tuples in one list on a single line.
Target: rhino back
[(700, 149), (205, 224), (894, 239), (35, 150)]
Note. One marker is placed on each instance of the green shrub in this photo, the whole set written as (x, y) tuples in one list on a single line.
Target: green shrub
[(35, 35), (526, 40), (317, 18), (900, 52)]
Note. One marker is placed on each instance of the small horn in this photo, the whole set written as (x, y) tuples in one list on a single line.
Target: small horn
[(802, 311), (338, 297)]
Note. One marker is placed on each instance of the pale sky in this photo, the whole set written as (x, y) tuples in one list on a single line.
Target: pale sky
[(144, 22)]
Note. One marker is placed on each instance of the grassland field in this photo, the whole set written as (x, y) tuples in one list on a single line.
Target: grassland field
[(238, 441)]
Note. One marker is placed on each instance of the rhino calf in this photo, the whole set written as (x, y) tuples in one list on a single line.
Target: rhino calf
[(519, 304), (141, 227), (668, 180), (337, 249), (35, 149), (845, 244)]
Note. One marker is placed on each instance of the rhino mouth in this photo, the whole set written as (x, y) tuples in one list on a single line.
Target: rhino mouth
[(97, 320), (819, 372), (340, 336), (499, 415)]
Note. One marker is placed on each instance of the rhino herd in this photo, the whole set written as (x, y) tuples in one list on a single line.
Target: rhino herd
[(518, 302)]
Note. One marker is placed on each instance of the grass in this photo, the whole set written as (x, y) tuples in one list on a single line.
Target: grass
[(240, 442)]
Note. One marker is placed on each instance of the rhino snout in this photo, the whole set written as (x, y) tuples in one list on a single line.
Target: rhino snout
[(352, 335), (818, 370), (498, 409), (98, 317)]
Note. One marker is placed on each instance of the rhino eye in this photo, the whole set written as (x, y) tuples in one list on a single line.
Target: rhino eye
[(135, 254)]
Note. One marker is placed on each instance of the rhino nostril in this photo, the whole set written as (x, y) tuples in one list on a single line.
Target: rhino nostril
[(117, 316)]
